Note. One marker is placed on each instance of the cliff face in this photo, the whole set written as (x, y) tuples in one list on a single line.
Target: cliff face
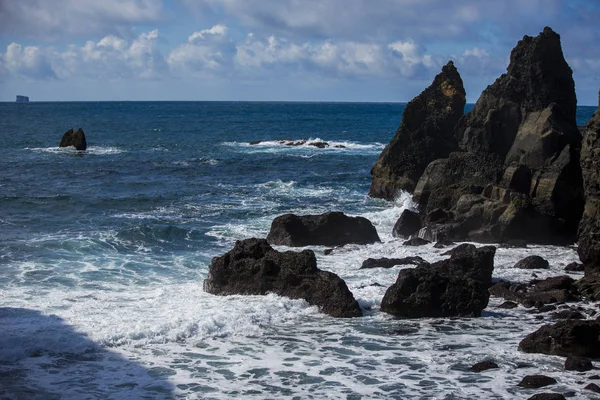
[(589, 227), (425, 133), (515, 173)]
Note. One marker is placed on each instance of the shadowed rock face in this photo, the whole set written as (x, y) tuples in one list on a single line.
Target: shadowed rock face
[(457, 286), (75, 139), (425, 133), (589, 227), (329, 229), (516, 174), (253, 267)]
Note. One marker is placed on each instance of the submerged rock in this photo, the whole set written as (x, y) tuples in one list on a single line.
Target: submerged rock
[(425, 133), (536, 381), (484, 366), (392, 262), (547, 396), (457, 286), (329, 229), (580, 364), (565, 338), (253, 267), (75, 139)]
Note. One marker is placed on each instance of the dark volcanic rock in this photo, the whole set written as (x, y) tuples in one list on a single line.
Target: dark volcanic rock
[(589, 285), (516, 174), (484, 366), (589, 226), (425, 133), (75, 139), (329, 229), (593, 387), (407, 225), (547, 396), (568, 314), (532, 262), (508, 305), (391, 262), (461, 248), (536, 381), (574, 267), (453, 287), (554, 283), (580, 364), (253, 267), (565, 338), (416, 241)]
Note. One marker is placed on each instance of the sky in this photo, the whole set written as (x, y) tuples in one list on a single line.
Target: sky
[(277, 50)]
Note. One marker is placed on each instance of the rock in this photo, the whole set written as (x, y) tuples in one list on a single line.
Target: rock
[(547, 396), (589, 226), (536, 381), (391, 262), (407, 225), (520, 144), (425, 134), (484, 366), (453, 287), (554, 283), (508, 305), (461, 248), (589, 285), (416, 241), (443, 243), (514, 244), (329, 229), (253, 267), (507, 291), (580, 364), (565, 338), (75, 139), (546, 308), (568, 314), (538, 299), (593, 387), (574, 267), (532, 262)]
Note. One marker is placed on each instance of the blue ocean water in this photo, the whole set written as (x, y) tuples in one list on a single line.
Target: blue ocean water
[(103, 253)]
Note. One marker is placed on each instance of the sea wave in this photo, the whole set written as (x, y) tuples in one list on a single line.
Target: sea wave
[(93, 150), (311, 143)]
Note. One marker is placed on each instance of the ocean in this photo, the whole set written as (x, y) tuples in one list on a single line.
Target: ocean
[(103, 255)]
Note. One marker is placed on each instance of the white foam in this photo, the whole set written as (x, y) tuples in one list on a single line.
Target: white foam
[(93, 150)]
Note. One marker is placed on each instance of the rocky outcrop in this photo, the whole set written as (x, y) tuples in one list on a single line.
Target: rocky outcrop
[(589, 227), (75, 139), (407, 225), (532, 262), (457, 286), (253, 267), (565, 338), (329, 229), (425, 134), (516, 174), (538, 293)]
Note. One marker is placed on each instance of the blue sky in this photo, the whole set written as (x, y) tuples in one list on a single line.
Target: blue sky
[(291, 50)]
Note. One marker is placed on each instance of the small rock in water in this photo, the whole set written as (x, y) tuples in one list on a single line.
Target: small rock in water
[(75, 139), (514, 244), (593, 387), (391, 262), (580, 364), (416, 241), (508, 305), (536, 381), (532, 262), (407, 225), (574, 267), (484, 366)]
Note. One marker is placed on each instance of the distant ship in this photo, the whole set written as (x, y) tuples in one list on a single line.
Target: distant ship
[(22, 99)]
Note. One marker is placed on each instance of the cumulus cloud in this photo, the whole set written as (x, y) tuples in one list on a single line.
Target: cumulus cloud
[(29, 62), (50, 20)]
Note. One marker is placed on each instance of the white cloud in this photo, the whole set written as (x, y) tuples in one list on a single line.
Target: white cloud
[(49, 20), (30, 62)]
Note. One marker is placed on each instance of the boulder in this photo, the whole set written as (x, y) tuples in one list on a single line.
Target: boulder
[(416, 241), (484, 366), (329, 229), (457, 286), (565, 338), (575, 267), (593, 387), (425, 134), (516, 174), (532, 262), (253, 267), (75, 139), (392, 262), (536, 381), (407, 225), (580, 364), (589, 226), (589, 285)]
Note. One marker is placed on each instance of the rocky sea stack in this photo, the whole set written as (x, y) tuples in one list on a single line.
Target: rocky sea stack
[(515, 173), (253, 267), (75, 139), (425, 134)]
